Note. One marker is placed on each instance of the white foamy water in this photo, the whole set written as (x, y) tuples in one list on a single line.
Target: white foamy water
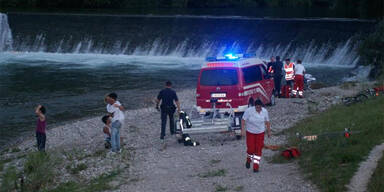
[(5, 33), (89, 60), (343, 54)]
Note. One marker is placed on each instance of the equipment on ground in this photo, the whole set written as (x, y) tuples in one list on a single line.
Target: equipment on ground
[(361, 96), (290, 153), (308, 78)]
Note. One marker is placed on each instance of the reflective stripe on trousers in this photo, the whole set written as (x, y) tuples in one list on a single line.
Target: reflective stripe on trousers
[(255, 159), (255, 143)]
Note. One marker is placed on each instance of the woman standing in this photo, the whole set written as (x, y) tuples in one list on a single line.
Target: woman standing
[(253, 124)]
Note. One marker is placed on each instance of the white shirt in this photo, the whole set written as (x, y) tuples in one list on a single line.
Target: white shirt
[(299, 69), (118, 115), (254, 121)]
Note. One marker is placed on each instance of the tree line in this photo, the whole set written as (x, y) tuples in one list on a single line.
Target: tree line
[(346, 8)]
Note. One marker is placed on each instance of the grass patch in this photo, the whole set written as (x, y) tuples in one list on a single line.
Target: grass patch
[(348, 85), (77, 169), (332, 159), (68, 186), (239, 188), (214, 161), (38, 171), (15, 150), (37, 174), (216, 173), (220, 188), (100, 153), (9, 177), (376, 183), (3, 162), (100, 183)]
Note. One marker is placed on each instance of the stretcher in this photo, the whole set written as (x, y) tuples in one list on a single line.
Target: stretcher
[(211, 122)]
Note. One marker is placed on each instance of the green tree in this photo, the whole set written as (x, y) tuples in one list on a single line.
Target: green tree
[(372, 51)]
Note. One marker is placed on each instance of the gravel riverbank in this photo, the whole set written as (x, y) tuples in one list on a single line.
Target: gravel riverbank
[(216, 164)]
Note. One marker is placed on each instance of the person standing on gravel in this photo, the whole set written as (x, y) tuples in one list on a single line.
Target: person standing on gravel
[(289, 68), (167, 96), (299, 80), (115, 109), (253, 124), (40, 127), (277, 75)]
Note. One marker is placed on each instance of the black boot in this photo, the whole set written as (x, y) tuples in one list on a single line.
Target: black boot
[(247, 164)]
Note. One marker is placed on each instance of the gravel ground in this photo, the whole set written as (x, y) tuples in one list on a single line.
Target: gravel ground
[(217, 164)]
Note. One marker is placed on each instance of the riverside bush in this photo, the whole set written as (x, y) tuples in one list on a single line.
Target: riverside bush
[(372, 51), (9, 180), (38, 170)]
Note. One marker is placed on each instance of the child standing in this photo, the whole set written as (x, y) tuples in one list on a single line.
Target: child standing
[(40, 127), (107, 131), (115, 108)]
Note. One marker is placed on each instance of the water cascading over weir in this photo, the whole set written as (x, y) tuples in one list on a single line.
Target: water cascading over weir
[(316, 41), (5, 33)]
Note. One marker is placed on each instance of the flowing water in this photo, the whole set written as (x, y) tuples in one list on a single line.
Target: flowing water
[(69, 62)]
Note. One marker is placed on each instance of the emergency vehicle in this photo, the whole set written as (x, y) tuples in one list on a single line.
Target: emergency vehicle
[(226, 87)]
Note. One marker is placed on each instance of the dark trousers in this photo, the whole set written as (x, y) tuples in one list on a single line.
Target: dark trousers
[(290, 83), (277, 81), (41, 138), (164, 114)]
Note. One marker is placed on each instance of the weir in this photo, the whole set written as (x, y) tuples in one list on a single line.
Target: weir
[(318, 42)]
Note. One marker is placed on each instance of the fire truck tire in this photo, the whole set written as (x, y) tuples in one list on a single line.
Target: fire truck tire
[(238, 137)]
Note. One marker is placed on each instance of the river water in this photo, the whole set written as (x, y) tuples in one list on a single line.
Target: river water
[(69, 62)]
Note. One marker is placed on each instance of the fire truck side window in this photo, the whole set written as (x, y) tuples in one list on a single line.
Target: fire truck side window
[(215, 77), (252, 74), (264, 72)]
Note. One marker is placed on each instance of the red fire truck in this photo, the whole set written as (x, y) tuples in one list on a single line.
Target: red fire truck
[(226, 87)]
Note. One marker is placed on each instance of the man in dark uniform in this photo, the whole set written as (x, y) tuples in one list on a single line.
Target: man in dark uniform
[(277, 75), (167, 96)]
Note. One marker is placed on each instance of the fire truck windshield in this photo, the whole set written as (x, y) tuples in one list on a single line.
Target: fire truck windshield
[(219, 77)]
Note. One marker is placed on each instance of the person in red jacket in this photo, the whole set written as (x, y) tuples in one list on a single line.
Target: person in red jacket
[(253, 125)]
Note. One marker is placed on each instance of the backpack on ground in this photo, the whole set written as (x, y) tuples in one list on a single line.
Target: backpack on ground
[(291, 153)]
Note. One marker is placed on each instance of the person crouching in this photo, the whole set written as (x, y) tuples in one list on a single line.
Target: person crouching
[(253, 124), (107, 131)]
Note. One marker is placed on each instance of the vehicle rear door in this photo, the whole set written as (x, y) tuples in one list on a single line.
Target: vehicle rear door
[(218, 83)]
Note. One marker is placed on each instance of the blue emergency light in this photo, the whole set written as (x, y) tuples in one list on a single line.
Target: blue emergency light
[(230, 56)]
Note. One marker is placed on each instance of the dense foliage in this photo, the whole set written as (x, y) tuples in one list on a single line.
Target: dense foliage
[(343, 8), (372, 51)]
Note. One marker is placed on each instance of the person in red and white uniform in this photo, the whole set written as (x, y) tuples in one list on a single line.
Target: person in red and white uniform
[(299, 79), (253, 125)]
